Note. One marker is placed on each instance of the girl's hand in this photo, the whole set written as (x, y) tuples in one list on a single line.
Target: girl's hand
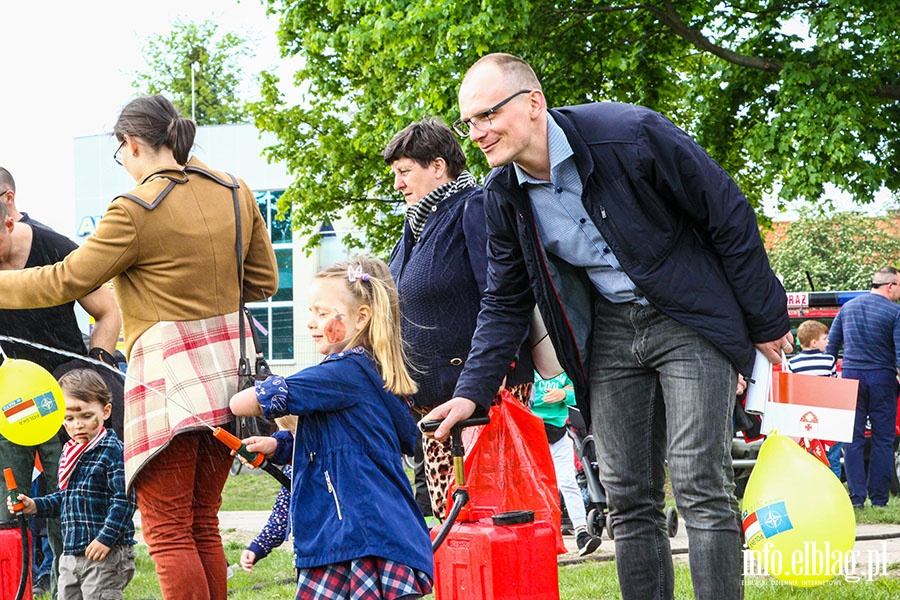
[(248, 557), (29, 507), (263, 444)]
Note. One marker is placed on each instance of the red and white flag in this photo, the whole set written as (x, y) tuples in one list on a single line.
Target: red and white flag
[(806, 406)]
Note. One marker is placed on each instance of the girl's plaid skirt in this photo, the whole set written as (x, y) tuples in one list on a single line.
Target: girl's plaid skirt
[(367, 578)]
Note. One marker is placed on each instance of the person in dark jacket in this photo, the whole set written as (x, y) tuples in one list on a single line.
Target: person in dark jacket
[(647, 267), (440, 268)]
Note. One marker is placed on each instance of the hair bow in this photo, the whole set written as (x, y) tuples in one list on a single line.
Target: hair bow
[(356, 273)]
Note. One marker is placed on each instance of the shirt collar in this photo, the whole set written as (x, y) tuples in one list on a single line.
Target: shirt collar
[(559, 148)]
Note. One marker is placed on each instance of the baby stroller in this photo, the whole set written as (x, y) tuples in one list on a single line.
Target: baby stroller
[(589, 479), (587, 473)]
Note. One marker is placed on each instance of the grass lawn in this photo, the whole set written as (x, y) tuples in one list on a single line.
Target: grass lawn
[(271, 578)]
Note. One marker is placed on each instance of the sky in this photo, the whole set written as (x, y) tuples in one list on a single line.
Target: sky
[(66, 70)]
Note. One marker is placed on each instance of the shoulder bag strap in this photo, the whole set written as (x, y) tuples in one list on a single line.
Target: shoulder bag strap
[(243, 364), (244, 317)]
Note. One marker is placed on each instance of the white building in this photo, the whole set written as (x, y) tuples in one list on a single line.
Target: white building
[(236, 149)]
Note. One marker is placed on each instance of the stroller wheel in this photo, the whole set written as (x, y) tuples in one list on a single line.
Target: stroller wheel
[(609, 527), (671, 522), (595, 522)]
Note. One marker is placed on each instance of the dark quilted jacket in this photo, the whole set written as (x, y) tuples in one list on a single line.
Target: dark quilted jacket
[(440, 280)]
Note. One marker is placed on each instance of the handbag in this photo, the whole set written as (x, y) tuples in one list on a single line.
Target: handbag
[(245, 427)]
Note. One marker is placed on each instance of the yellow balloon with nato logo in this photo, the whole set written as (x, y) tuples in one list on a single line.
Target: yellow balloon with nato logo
[(797, 518), (31, 403)]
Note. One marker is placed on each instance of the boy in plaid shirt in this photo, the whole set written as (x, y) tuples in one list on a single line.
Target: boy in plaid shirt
[(92, 504)]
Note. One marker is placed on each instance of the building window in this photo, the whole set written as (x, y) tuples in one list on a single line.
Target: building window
[(275, 316)]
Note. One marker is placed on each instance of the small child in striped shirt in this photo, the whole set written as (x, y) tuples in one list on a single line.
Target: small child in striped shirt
[(813, 360)]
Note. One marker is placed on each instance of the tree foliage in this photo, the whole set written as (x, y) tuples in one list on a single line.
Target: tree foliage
[(840, 252), (782, 111), (170, 57)]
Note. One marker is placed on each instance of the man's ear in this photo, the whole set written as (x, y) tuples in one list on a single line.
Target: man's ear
[(536, 103)]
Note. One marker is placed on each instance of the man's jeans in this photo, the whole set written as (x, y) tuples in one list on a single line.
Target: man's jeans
[(658, 386), (877, 400)]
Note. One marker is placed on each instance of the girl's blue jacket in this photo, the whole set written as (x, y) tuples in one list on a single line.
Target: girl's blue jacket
[(351, 497)]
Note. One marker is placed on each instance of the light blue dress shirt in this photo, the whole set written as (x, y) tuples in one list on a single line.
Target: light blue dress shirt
[(566, 229)]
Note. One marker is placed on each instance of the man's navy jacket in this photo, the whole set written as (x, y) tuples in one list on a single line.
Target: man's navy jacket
[(677, 223)]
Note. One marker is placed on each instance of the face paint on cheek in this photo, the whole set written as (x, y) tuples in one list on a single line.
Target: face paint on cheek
[(335, 330)]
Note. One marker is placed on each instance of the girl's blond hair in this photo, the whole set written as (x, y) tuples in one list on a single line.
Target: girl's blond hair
[(287, 423), (369, 283)]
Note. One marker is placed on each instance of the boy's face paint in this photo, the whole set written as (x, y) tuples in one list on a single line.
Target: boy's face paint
[(332, 320), (83, 420)]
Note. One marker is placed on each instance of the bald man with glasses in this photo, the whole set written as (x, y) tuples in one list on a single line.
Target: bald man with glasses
[(868, 329), (645, 261)]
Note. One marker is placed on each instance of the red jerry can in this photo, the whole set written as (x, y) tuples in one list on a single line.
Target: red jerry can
[(507, 557), (11, 561)]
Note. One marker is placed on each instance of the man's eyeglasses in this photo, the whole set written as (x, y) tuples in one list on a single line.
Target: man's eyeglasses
[(883, 283), (481, 121), (117, 154)]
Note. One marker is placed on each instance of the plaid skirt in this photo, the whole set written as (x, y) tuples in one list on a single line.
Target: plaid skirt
[(179, 372), (367, 578)]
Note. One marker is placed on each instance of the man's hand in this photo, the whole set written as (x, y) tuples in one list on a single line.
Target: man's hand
[(772, 350), (452, 412), (96, 551)]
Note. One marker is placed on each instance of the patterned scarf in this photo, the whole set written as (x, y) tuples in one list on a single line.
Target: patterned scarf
[(71, 452), (417, 214)]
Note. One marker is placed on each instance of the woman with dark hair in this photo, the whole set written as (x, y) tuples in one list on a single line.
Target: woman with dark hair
[(169, 245), (440, 267)]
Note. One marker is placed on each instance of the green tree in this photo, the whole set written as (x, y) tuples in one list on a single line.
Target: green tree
[(170, 61), (782, 111), (839, 252)]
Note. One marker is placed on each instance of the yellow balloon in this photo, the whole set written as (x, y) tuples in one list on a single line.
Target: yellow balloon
[(798, 522), (31, 403)]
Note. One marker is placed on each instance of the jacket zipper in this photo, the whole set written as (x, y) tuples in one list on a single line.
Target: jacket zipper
[(333, 492)]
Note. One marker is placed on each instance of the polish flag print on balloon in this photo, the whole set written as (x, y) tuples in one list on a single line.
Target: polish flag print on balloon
[(31, 403)]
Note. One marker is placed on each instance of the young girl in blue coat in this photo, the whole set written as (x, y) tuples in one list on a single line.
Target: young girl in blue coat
[(357, 528)]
